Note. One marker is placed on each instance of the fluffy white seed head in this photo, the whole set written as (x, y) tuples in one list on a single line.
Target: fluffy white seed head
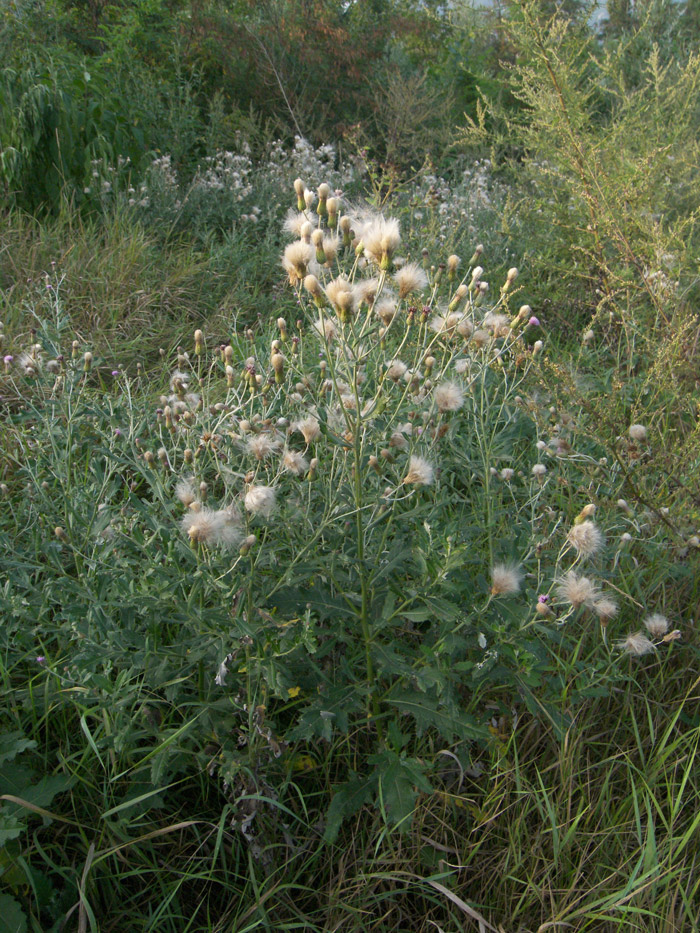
[(261, 500), (637, 644), (586, 538), (409, 279), (656, 625), (505, 579), (448, 396), (638, 433), (577, 591), (420, 472)]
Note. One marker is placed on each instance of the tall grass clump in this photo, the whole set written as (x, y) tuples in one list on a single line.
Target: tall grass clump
[(606, 197), (290, 603)]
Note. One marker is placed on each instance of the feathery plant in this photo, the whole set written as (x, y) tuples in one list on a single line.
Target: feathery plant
[(338, 550)]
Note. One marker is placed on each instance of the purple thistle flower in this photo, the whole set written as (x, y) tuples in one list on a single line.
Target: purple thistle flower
[(534, 321)]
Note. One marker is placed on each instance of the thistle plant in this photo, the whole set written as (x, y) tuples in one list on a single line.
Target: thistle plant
[(342, 527)]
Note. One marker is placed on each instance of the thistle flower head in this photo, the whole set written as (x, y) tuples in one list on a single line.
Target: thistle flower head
[(295, 260), (586, 538), (380, 239), (294, 462), (396, 370), (262, 445), (410, 278), (309, 428), (340, 294), (293, 223), (261, 500), (636, 644), (606, 609), (448, 396), (505, 579), (186, 492), (366, 290), (326, 329), (577, 591), (656, 625), (216, 528), (638, 433), (386, 310), (420, 472)]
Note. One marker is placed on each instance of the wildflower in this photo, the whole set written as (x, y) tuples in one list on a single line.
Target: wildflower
[(448, 397), (198, 342), (480, 338), (262, 445), (452, 265), (420, 472), (606, 609), (366, 290), (498, 324), (656, 625), (293, 222), (586, 538), (577, 591), (380, 240), (294, 462), (340, 294), (636, 644), (507, 474), (638, 432), (295, 261), (539, 470), (213, 527), (309, 427), (396, 370), (326, 329), (261, 500), (386, 310), (410, 278), (185, 492), (299, 189), (505, 579)]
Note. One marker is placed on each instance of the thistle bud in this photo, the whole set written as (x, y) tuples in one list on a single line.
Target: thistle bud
[(230, 376), (60, 533), (461, 292), (374, 464), (323, 192), (317, 240), (452, 266), (429, 362), (228, 354), (332, 205), (477, 272), (168, 415), (188, 455), (282, 325), (87, 361), (247, 545), (163, 456), (277, 361), (346, 229), (150, 459), (203, 490), (309, 198), (313, 467), (477, 253), (198, 342), (299, 188), (76, 348)]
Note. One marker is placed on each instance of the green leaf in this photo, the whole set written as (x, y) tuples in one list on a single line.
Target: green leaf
[(347, 800), (12, 918), (427, 715), (399, 779), (12, 743)]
